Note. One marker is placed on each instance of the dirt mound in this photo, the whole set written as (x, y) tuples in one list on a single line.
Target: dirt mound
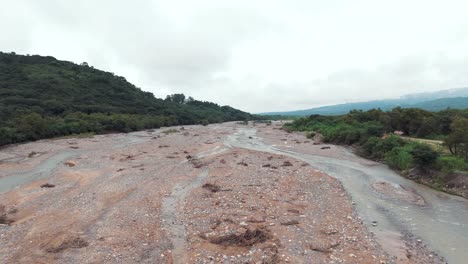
[(324, 247)]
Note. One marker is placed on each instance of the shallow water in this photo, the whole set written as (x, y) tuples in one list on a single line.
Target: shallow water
[(172, 220), (48, 167), (43, 170), (442, 223)]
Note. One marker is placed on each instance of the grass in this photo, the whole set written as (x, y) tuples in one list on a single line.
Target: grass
[(437, 145)]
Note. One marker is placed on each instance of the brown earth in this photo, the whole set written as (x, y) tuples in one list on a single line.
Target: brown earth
[(179, 197)]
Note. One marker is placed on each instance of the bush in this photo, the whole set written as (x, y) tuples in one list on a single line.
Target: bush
[(368, 147), (245, 122), (376, 148), (310, 135), (451, 163), (399, 158), (374, 129), (423, 154), (169, 131)]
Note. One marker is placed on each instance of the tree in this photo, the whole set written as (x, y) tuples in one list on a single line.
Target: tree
[(176, 98), (457, 141), (32, 125), (428, 126)]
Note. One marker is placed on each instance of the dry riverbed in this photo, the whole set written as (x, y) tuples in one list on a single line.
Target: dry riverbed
[(181, 195)]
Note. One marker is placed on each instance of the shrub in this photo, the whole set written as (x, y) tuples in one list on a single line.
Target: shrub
[(399, 158), (310, 135), (245, 122), (374, 129), (423, 154), (376, 148), (170, 131), (368, 147), (451, 163)]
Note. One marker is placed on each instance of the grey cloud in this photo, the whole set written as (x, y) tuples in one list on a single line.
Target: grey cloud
[(255, 55), (408, 75), (173, 52)]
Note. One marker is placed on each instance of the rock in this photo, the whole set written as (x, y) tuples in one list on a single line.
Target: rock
[(70, 164)]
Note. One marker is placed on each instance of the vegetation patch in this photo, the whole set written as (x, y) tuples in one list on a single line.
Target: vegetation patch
[(377, 135), (33, 154), (245, 122), (75, 242), (170, 131), (245, 239), (4, 220), (211, 187), (197, 163)]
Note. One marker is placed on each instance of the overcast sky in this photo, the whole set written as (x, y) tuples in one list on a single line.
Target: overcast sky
[(254, 55)]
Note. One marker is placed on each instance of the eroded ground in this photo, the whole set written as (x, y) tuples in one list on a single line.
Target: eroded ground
[(179, 195)]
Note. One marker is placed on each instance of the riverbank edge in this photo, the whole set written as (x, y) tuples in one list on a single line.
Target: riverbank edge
[(421, 178)]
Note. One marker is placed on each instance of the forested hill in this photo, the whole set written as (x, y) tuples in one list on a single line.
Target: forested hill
[(44, 97)]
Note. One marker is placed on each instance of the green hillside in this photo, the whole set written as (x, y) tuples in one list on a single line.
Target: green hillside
[(43, 97)]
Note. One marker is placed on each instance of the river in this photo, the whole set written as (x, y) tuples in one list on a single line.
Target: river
[(442, 222)]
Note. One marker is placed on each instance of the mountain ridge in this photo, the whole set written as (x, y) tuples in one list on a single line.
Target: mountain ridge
[(449, 98)]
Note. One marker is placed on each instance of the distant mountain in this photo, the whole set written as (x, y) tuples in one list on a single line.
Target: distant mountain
[(427, 96), (443, 103), (434, 101)]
